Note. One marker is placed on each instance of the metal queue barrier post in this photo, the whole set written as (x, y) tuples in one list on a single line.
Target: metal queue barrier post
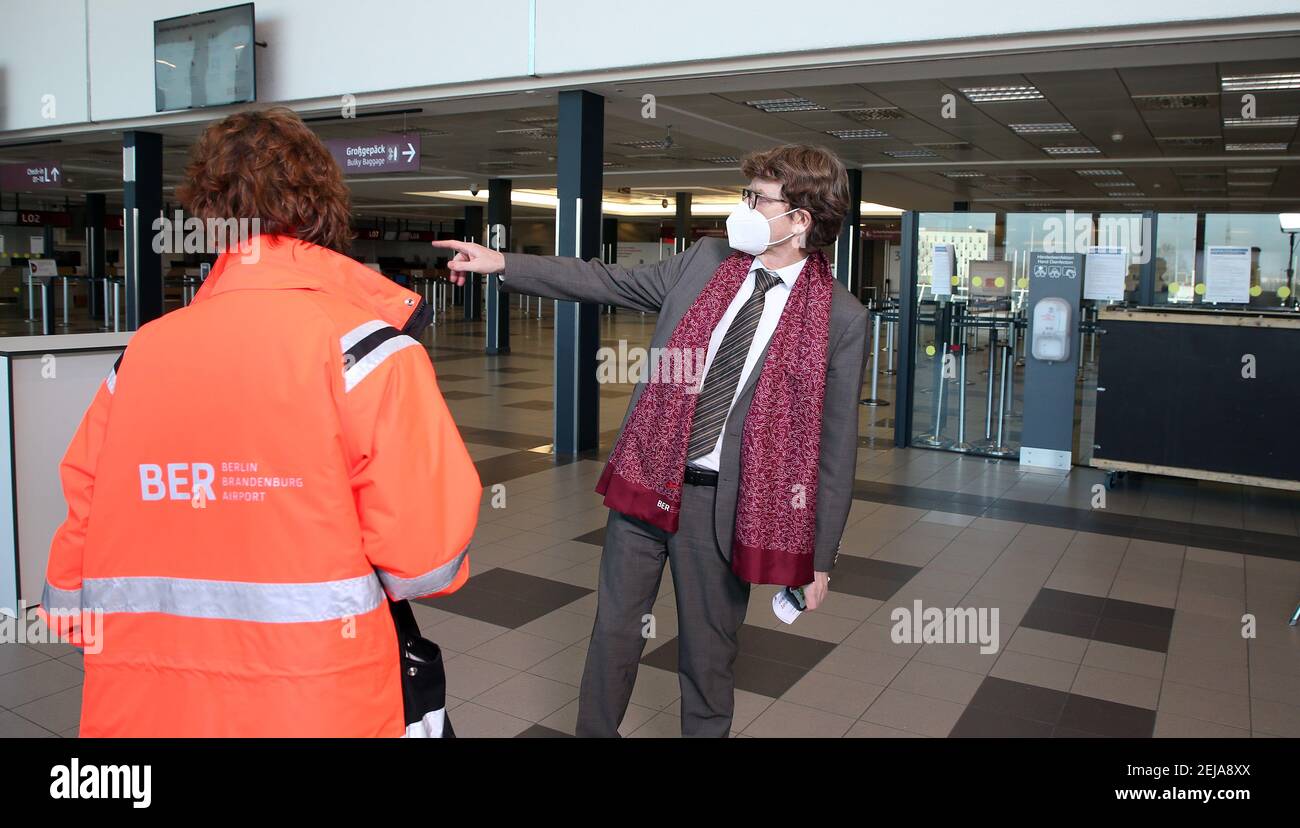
[(874, 399), (988, 394), (1000, 449), (935, 438), (43, 284), (890, 321), (962, 445), (66, 300)]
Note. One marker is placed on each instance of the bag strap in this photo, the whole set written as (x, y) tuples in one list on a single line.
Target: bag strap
[(404, 620)]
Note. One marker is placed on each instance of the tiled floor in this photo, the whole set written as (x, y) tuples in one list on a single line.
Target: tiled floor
[(1122, 621)]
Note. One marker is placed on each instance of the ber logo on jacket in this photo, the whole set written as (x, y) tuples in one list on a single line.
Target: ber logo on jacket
[(197, 482)]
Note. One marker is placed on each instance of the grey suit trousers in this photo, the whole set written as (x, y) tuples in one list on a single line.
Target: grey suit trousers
[(711, 604)]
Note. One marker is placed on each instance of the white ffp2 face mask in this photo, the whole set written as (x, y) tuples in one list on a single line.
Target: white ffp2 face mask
[(749, 231)]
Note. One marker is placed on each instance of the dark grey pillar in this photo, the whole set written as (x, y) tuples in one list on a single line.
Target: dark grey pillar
[(848, 256), (96, 255), (473, 281), (498, 303), (1146, 292), (906, 341), (682, 228), (609, 247), (142, 204), (577, 332)]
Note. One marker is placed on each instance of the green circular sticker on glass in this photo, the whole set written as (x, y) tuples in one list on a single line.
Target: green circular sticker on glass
[(1000, 282), (956, 280), (977, 281), (929, 350), (1283, 292), (1200, 289), (1256, 290), (1022, 282)]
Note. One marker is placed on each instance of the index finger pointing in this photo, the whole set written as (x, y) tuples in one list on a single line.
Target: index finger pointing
[(459, 246)]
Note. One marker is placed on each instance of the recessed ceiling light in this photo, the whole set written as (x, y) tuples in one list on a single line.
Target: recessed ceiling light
[(1250, 183), (910, 153), (998, 94), (875, 113), (1154, 103), (853, 134), (1262, 82), (1082, 149), (784, 105), (1271, 146), (1254, 170), (1268, 121), (720, 159), (1126, 195), (1090, 172), (660, 144), (1114, 184), (1041, 129), (964, 174)]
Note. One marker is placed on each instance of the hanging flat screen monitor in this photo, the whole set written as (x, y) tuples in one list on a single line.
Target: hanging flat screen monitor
[(205, 59)]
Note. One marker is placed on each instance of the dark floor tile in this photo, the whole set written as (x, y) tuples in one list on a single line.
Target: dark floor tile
[(1060, 621), (540, 732), (1025, 701), (787, 648), (457, 377), (507, 598), (1107, 718), (532, 405), (501, 439), (596, 537), (510, 369), (1057, 599), (1071, 733), (523, 385), (455, 394), (506, 467), (870, 578), (979, 723), (1148, 614), (753, 673), (1129, 634)]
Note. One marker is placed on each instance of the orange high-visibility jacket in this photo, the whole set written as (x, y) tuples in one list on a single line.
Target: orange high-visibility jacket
[(256, 472)]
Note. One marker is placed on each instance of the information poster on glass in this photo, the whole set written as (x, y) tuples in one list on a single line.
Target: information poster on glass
[(1104, 270), (1227, 274), (941, 270)]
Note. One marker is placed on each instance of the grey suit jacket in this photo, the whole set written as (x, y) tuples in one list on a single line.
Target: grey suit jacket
[(669, 288)]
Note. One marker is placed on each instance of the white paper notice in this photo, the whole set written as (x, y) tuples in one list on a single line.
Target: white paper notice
[(1227, 274), (941, 270), (1104, 272)]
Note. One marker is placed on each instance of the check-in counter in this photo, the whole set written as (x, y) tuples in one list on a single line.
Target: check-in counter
[(48, 383), (1200, 393)]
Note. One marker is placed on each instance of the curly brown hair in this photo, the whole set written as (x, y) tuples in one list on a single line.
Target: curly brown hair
[(811, 178), (270, 166)]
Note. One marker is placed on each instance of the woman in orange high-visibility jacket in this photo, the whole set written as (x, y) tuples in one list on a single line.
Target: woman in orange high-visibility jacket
[(257, 471)]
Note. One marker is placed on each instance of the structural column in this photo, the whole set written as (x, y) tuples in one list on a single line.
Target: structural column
[(682, 228), (498, 304), (96, 256), (848, 253), (473, 284), (142, 166), (577, 229)]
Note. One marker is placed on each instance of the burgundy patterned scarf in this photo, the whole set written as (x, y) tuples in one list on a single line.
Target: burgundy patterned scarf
[(777, 498)]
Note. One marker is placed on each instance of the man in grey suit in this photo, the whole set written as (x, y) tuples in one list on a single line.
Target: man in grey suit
[(794, 205)]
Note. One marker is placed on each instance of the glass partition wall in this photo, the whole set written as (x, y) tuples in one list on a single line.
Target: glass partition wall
[(969, 306)]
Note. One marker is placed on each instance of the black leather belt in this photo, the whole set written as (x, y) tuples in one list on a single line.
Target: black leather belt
[(701, 477)]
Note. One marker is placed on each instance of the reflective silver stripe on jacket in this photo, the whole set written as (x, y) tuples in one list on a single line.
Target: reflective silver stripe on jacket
[(362, 367), (430, 582), (111, 379), (224, 600), (359, 333)]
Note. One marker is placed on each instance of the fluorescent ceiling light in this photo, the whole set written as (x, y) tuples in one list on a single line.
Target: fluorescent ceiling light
[(854, 134), (964, 174), (1083, 149), (1091, 172), (1126, 195), (1113, 184), (1269, 121), (1262, 82), (910, 153), (1253, 170), (1272, 146), (997, 94), (1250, 183), (785, 105), (1041, 129)]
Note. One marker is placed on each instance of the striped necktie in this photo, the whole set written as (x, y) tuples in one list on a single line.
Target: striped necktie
[(723, 376)]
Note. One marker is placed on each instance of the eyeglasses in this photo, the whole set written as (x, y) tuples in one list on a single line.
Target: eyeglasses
[(751, 198)]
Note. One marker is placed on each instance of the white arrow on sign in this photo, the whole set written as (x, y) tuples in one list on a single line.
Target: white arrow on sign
[(409, 152), (54, 173)]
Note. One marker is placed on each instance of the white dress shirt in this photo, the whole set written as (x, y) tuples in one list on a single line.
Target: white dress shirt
[(773, 305)]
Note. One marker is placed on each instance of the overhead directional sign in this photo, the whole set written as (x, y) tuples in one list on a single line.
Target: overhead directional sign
[(31, 175), (387, 153)]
